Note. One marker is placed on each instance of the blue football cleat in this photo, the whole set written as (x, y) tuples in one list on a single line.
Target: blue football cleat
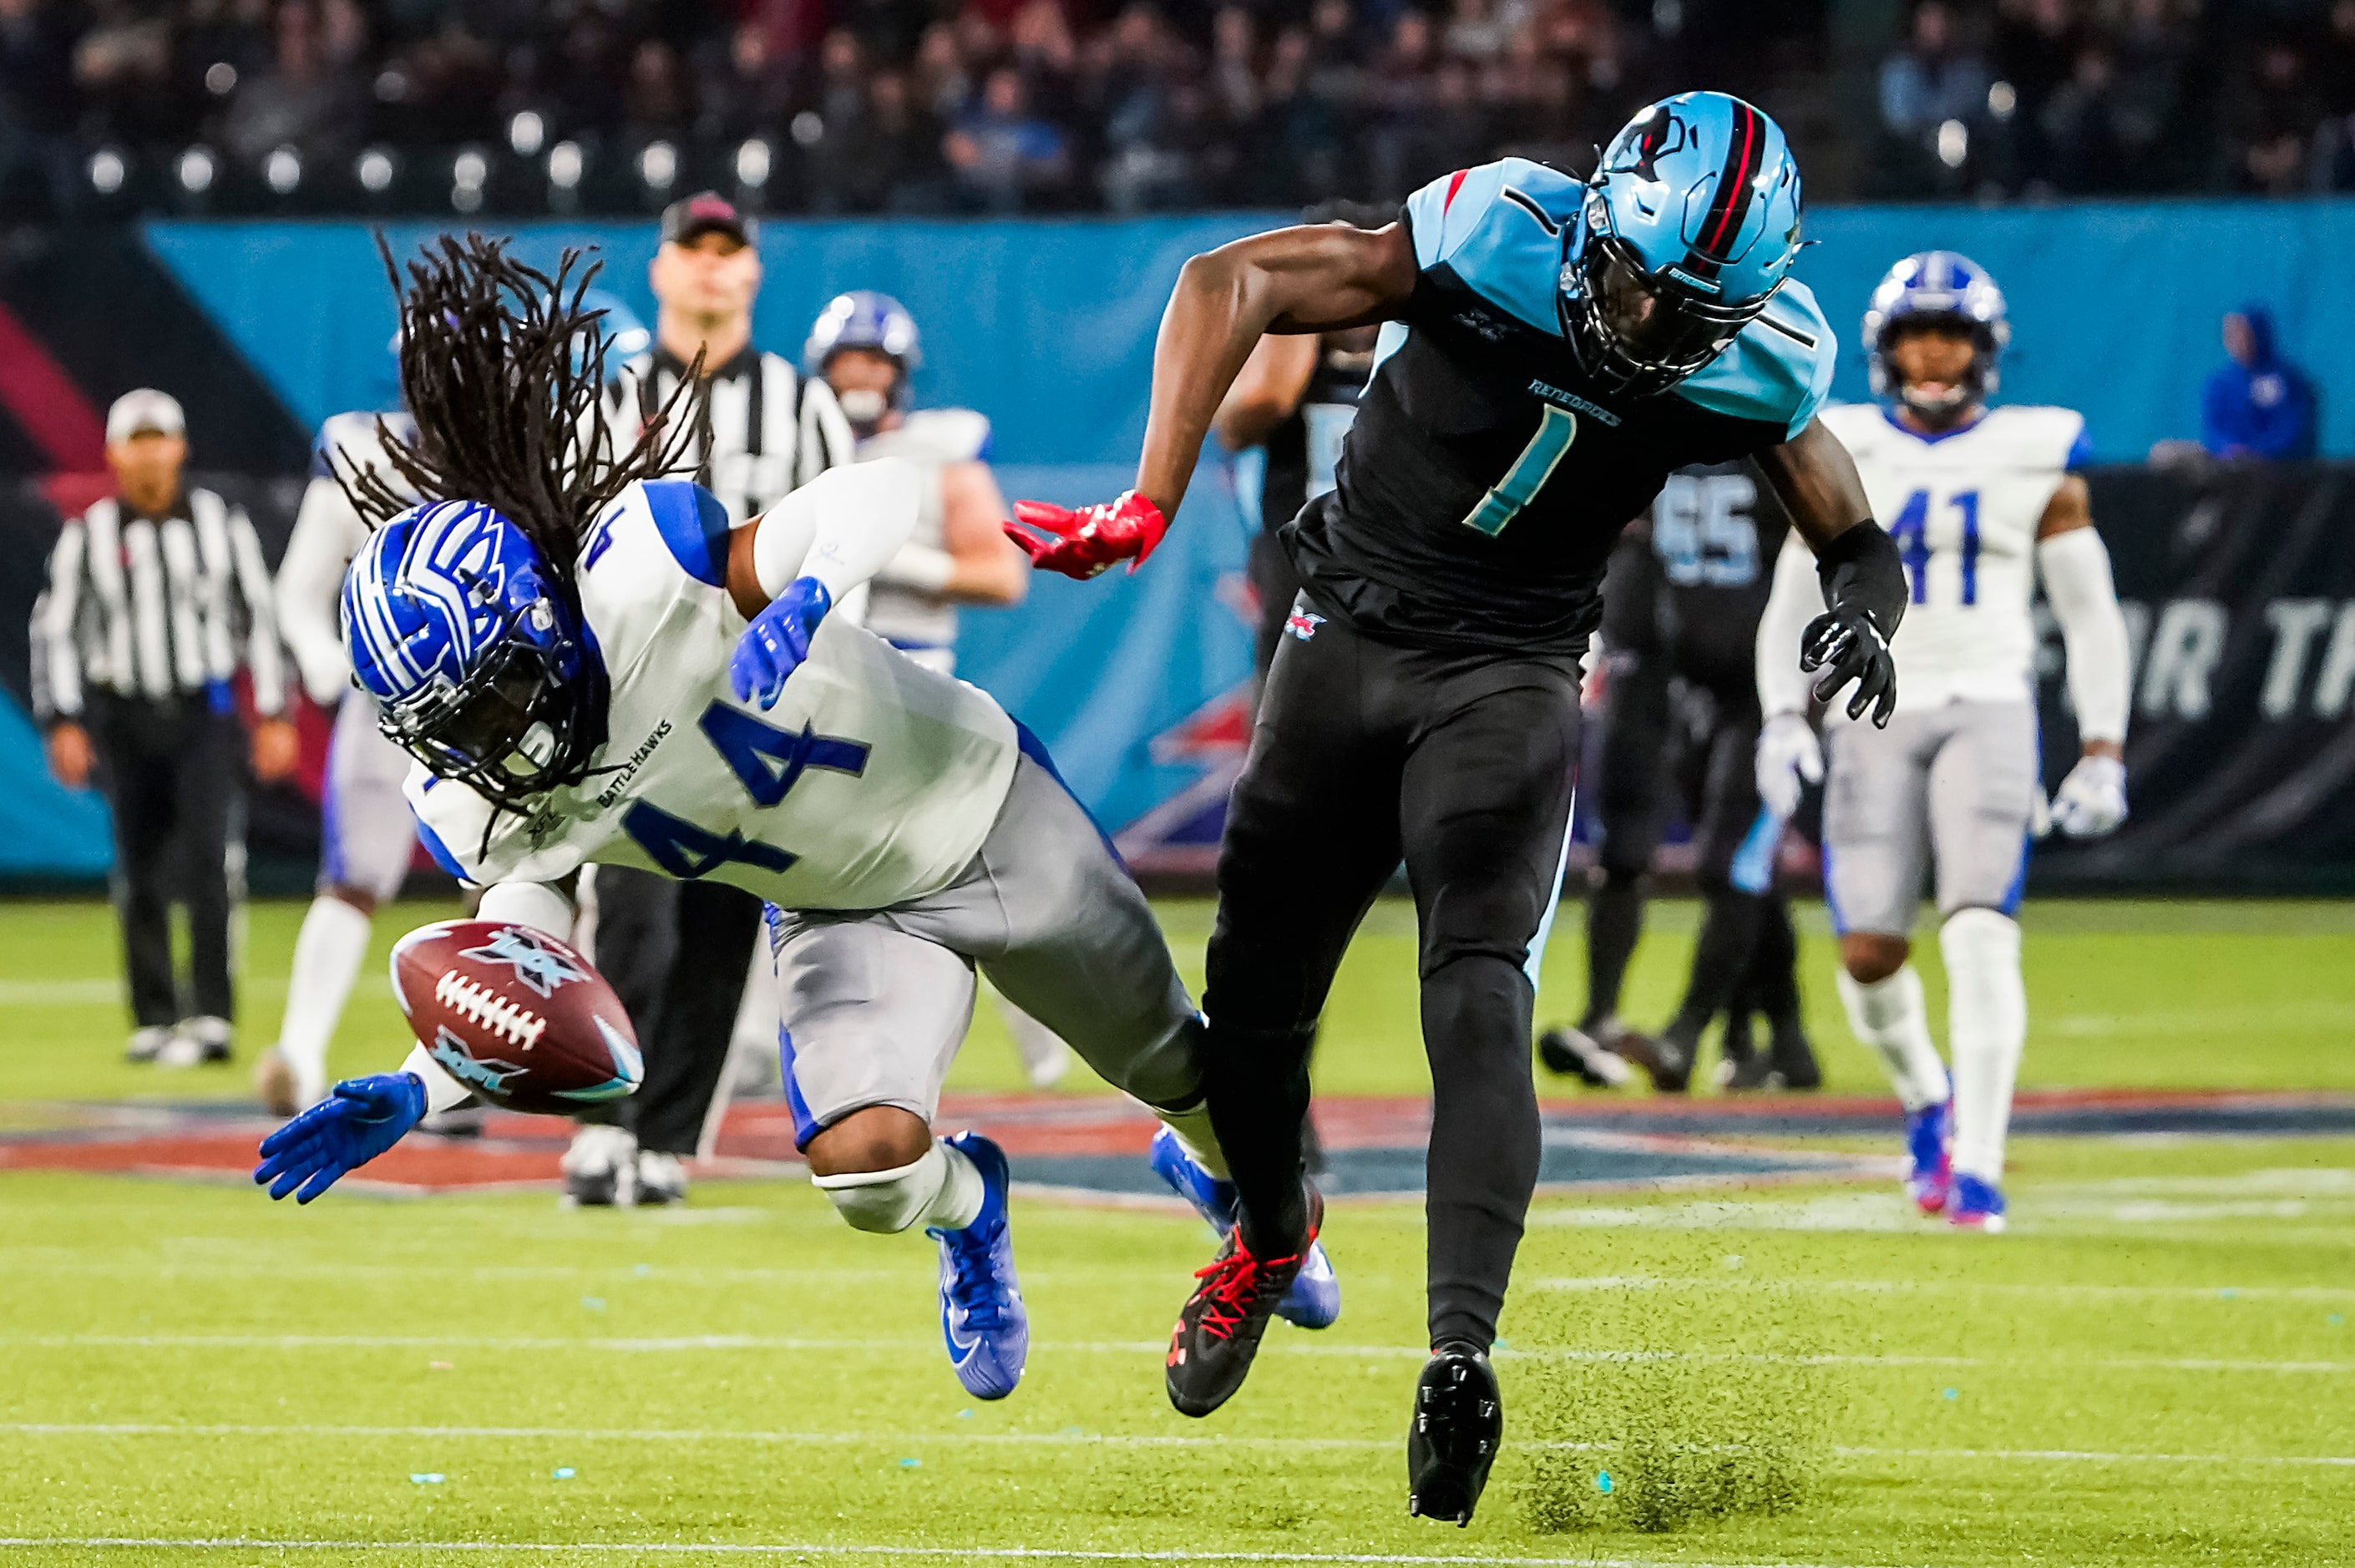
[(1975, 1205), (1314, 1301), (1929, 1172), (982, 1315)]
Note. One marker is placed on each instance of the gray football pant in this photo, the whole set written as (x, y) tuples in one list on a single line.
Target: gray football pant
[(876, 1004), (1952, 788)]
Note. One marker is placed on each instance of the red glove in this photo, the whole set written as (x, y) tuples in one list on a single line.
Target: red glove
[(1085, 541)]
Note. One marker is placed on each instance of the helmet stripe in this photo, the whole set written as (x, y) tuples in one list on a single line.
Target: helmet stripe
[(1729, 206)]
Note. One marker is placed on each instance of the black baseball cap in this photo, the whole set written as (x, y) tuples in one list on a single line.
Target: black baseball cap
[(705, 212)]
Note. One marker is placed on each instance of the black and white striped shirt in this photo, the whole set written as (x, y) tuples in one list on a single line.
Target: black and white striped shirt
[(771, 431), (157, 607)]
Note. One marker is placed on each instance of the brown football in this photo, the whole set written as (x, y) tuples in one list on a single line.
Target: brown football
[(515, 1015)]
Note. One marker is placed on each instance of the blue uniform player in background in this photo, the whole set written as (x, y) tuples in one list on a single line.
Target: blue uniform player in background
[(1551, 349)]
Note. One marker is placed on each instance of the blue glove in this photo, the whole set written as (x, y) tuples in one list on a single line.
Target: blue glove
[(360, 1120), (777, 641)]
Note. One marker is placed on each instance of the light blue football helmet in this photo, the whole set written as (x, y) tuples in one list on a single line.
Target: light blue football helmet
[(1691, 222), (475, 655), (1931, 287), (865, 318)]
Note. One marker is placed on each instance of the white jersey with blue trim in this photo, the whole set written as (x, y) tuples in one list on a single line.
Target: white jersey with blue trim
[(1964, 507), (328, 534), (900, 613), (1487, 475), (873, 779)]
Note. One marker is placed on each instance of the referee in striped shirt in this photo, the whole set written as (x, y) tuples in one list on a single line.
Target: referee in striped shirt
[(678, 953), (156, 595)]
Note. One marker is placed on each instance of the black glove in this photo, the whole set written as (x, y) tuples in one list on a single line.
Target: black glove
[(1846, 646)]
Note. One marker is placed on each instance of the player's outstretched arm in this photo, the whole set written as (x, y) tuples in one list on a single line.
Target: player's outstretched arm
[(1313, 278), (1862, 574), (2076, 566)]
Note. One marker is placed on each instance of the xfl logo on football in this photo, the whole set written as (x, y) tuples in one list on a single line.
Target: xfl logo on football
[(537, 965)]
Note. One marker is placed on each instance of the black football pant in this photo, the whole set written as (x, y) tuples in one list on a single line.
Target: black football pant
[(173, 776), (1631, 803), (675, 953), (1275, 583), (1366, 752)]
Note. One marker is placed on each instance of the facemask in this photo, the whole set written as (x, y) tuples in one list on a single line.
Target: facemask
[(864, 406)]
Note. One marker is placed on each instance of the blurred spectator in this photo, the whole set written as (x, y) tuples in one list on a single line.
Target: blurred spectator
[(1932, 91), (1005, 157), (303, 100), (2270, 122), (38, 104), (2260, 404), (2083, 128)]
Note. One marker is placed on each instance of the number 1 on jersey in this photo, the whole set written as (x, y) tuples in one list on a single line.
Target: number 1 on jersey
[(1521, 482)]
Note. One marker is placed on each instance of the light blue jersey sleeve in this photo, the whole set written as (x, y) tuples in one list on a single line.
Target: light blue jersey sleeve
[(1778, 372), (1499, 229)]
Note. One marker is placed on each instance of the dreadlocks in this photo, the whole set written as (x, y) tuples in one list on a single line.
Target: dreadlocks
[(503, 370)]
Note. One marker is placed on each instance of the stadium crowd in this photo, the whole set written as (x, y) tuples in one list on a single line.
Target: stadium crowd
[(110, 106)]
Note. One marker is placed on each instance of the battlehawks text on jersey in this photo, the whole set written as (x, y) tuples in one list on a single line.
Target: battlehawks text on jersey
[(1488, 476), (873, 780), (1964, 507)]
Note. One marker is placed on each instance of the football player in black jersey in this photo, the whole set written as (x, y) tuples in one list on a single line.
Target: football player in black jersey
[(1681, 604), (1552, 350)]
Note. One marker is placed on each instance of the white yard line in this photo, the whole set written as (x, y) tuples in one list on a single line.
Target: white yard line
[(693, 1343), (1907, 1287), (1071, 1438), (834, 1549)]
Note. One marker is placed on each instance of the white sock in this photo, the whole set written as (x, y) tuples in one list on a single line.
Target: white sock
[(1891, 1016), (327, 955), (1987, 1020), (940, 1189), (958, 1203), (1194, 1135)]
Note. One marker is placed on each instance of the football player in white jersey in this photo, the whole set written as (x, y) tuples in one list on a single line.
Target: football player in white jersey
[(1983, 501), (591, 667), (866, 346)]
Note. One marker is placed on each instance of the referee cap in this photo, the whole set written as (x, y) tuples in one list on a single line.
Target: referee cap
[(705, 212), (145, 411)]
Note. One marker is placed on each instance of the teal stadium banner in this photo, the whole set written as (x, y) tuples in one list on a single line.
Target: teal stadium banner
[(1139, 684)]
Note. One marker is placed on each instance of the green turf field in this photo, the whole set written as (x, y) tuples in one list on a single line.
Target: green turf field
[(2153, 1367)]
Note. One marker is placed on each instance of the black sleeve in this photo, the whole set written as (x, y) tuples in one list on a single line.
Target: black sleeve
[(1862, 567)]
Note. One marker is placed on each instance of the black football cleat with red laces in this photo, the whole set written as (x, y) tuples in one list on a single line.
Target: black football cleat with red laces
[(1459, 1422), (1219, 1327)]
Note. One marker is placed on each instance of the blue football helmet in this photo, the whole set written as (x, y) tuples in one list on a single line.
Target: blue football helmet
[(1690, 224), (1937, 287), (878, 323), (478, 661)]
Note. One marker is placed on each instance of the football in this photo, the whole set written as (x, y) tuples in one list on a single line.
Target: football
[(515, 1015)]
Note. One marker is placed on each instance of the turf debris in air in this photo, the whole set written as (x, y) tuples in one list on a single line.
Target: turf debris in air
[(1706, 1406)]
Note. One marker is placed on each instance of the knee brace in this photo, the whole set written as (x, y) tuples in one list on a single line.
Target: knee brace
[(888, 1202)]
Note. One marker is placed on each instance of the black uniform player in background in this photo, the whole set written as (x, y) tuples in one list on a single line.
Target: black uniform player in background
[(1295, 401), (1552, 351), (1681, 603)]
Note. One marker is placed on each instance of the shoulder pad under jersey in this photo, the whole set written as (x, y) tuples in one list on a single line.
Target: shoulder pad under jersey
[(933, 435), (2040, 435), (1778, 372), (657, 540), (1499, 229), (353, 435)]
